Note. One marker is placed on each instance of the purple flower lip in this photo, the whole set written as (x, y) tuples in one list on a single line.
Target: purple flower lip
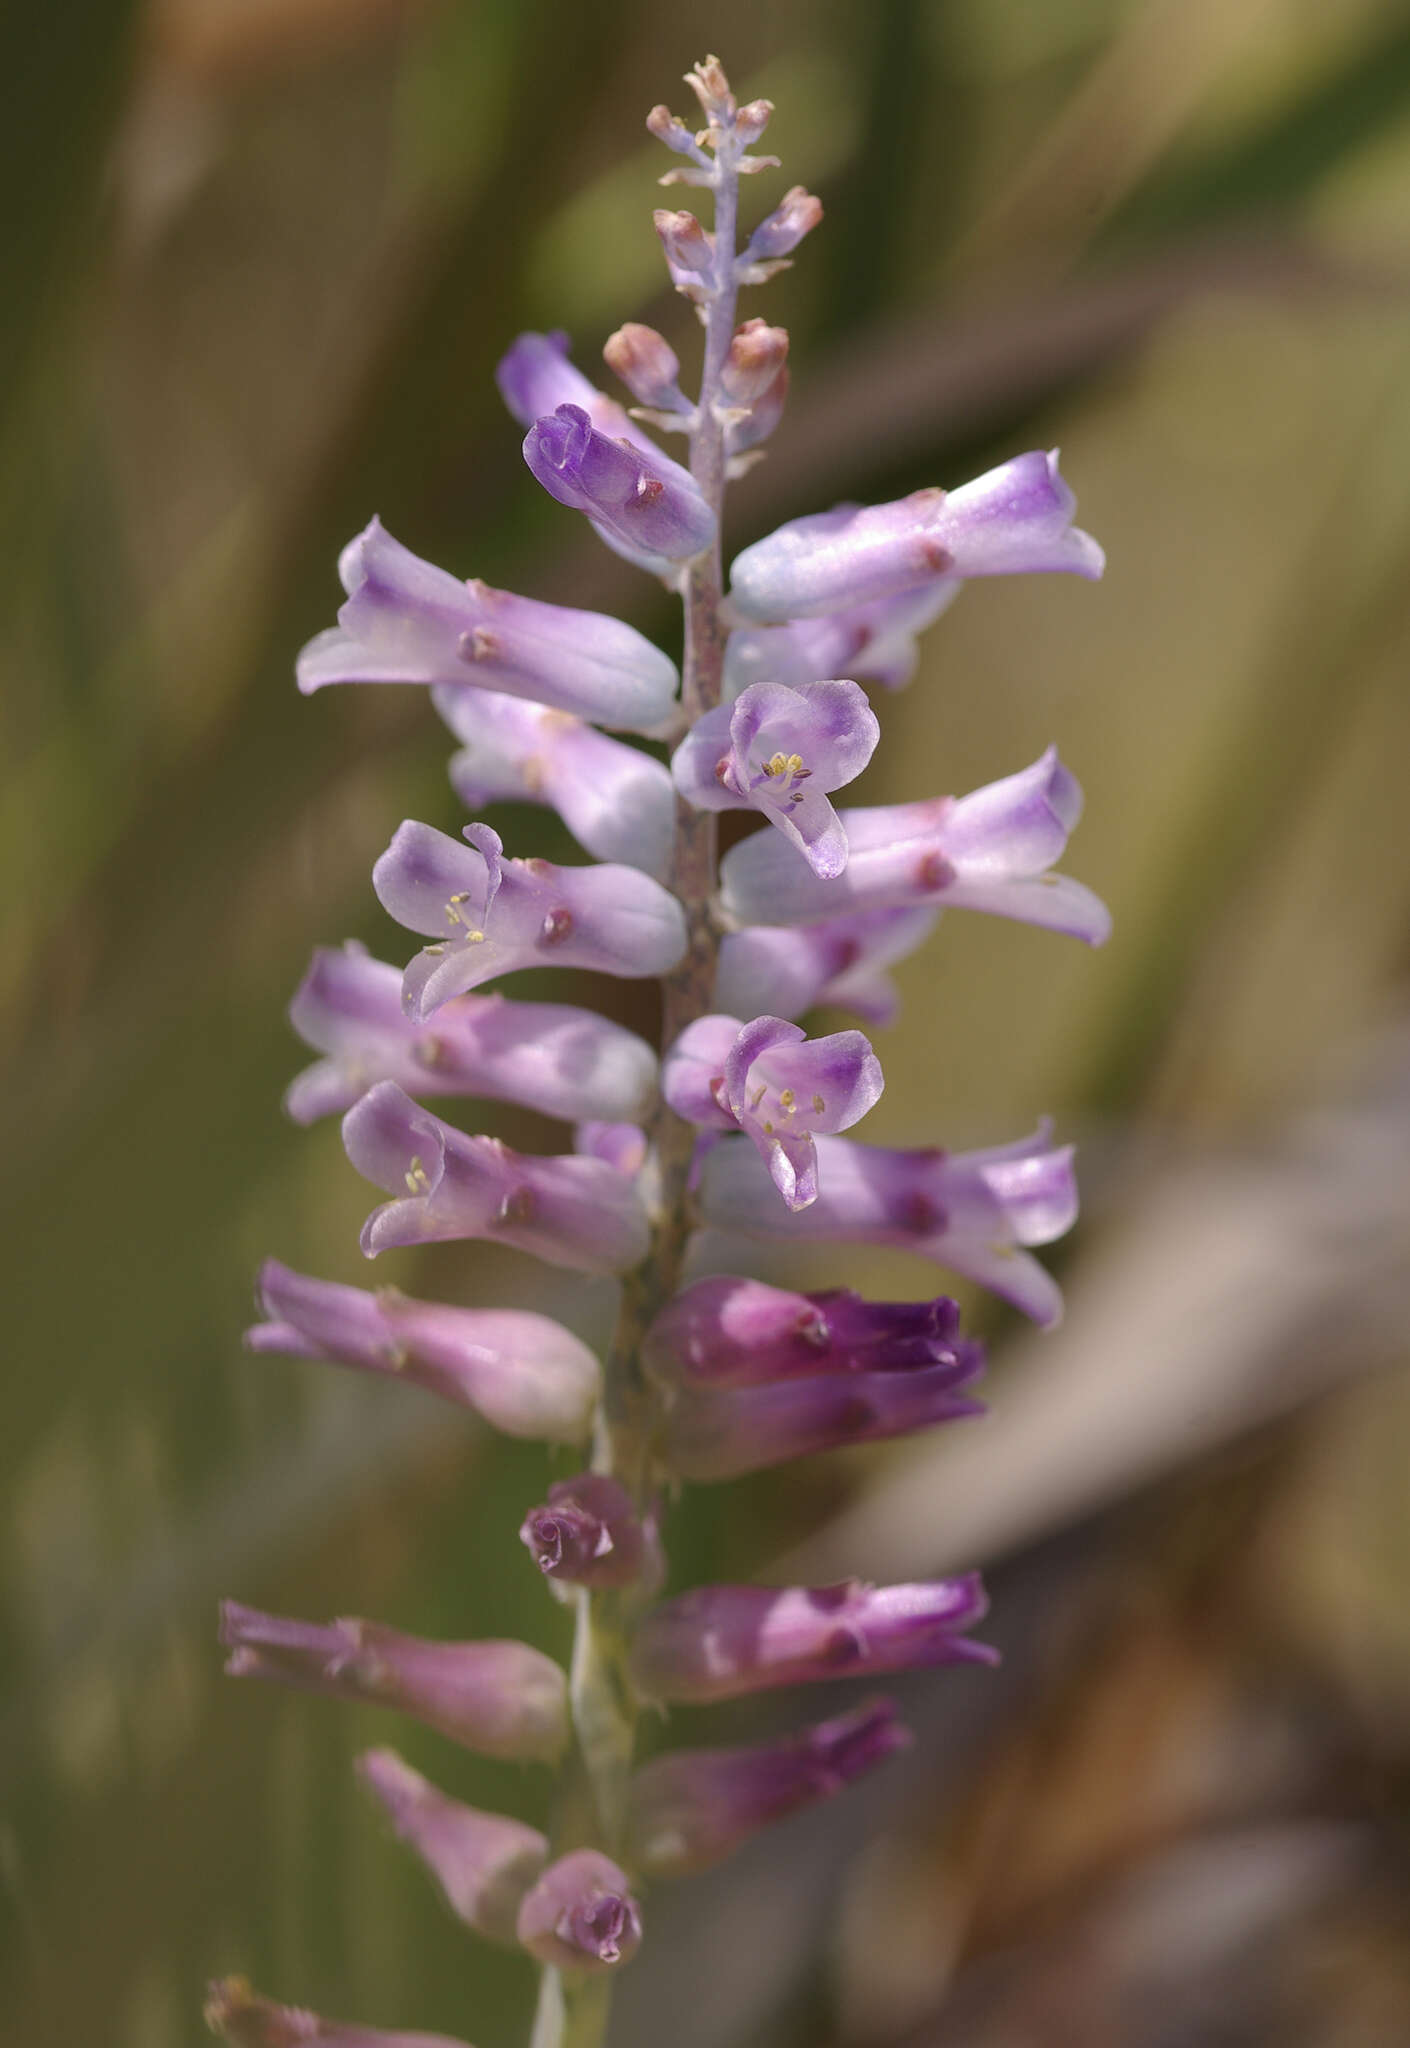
[(239, 2015), (719, 1642), (581, 1915), (728, 1331), (484, 1863), (588, 1533), (500, 1698), (690, 1810)]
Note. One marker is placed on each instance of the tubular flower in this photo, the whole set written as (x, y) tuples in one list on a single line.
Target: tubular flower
[(725, 1331), (581, 1915), (876, 642), (840, 961), (408, 622), (648, 507), (484, 1863)]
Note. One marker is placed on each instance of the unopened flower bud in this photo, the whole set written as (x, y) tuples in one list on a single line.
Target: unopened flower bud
[(796, 215), (752, 119), (666, 128), (581, 1914), (690, 250), (647, 365), (484, 1863), (588, 1533), (500, 1698), (690, 1810), (240, 2016), (708, 82), (756, 355)]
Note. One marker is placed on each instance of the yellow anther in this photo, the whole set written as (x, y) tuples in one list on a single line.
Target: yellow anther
[(787, 1098), (781, 764), (418, 1181)]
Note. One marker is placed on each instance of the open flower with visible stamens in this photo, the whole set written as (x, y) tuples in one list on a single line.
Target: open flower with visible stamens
[(490, 916), (779, 751), (768, 1079)]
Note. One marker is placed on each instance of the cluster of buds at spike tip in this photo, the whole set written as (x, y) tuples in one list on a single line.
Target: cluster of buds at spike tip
[(817, 906)]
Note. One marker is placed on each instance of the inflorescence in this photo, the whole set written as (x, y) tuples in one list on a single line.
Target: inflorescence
[(743, 1123)]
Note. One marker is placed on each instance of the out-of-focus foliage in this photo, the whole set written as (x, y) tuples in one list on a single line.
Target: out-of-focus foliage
[(259, 264)]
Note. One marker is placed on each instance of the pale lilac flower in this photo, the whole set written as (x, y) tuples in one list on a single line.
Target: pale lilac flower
[(622, 1146), (730, 1331), (521, 1371), (779, 750), (581, 1915), (588, 1533), (874, 642), (240, 2016), (616, 801), (406, 621), (992, 850), (710, 1436), (973, 1212), (568, 1210), (721, 1641), (501, 1699), (490, 916), (694, 1808), (566, 1062), (646, 505), (768, 1079), (1016, 519), (839, 961), (535, 376), (484, 1863)]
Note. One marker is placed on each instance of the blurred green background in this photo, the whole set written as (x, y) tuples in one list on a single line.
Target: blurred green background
[(260, 261)]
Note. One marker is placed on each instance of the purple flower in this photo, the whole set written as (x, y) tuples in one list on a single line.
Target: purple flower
[(694, 1808), (720, 1641), (778, 750), (647, 507), (406, 621), (840, 961), (570, 1211), (991, 850), (581, 1915), (238, 2015), (615, 800), (552, 1057), (484, 1863), (490, 916), (535, 376), (971, 1211), (876, 642), (622, 1146), (710, 1436), (521, 1371), (727, 1331), (588, 1533), (771, 1081), (501, 1699), (1012, 520)]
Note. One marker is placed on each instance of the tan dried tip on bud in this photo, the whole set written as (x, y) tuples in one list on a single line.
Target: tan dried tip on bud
[(645, 362), (710, 86), (686, 243), (756, 355), (751, 121)]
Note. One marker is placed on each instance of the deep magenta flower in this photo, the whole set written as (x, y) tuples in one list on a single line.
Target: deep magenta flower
[(974, 1212), (1013, 520), (720, 1641), (566, 1062), (841, 961), (780, 750), (520, 1370), (588, 1533), (648, 507), (616, 801), (581, 1915), (691, 1810), (771, 1081), (484, 1863), (406, 621), (489, 916), (730, 1331), (568, 1210), (239, 2015), (501, 1699), (992, 850)]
